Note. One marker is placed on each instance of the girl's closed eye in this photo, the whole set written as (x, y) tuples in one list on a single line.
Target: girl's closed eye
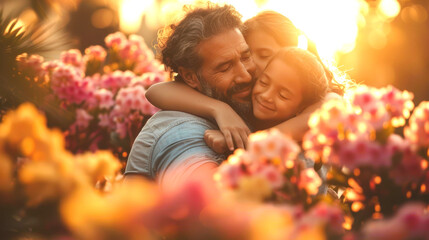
[(283, 96), (263, 83)]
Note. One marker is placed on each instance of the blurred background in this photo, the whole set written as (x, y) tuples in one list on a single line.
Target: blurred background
[(376, 42)]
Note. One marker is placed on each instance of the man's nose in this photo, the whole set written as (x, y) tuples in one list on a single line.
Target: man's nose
[(243, 74)]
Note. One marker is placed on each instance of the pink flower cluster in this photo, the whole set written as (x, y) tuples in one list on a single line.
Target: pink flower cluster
[(132, 53), (417, 131), (411, 222), (31, 65), (68, 84), (345, 133), (269, 156), (103, 86)]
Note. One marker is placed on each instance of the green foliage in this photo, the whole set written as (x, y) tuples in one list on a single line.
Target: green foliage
[(15, 40)]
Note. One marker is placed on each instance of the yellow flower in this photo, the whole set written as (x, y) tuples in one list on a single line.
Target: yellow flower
[(6, 183), (49, 181), (253, 188), (98, 165), (91, 215), (271, 222)]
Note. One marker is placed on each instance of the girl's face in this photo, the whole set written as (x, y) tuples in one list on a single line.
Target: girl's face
[(277, 94), (263, 46)]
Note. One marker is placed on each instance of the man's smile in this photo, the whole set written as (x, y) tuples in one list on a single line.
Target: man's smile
[(243, 93)]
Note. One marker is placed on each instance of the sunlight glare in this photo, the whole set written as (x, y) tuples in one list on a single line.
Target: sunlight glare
[(131, 13), (389, 8), (302, 42), (19, 24), (332, 25)]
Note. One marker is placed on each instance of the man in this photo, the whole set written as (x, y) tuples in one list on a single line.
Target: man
[(208, 52)]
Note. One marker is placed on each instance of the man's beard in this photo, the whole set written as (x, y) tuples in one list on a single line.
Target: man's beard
[(244, 109)]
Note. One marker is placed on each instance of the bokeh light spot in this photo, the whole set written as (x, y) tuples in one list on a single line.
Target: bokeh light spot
[(102, 18)]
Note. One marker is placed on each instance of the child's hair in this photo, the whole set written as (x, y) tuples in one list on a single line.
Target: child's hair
[(310, 71), (286, 34)]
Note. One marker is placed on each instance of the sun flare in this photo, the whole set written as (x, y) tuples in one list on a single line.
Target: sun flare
[(332, 24)]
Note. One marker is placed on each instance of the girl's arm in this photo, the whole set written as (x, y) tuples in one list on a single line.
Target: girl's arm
[(180, 97), (297, 126), (216, 141)]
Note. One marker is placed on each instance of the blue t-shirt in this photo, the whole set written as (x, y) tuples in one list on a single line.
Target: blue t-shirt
[(169, 141)]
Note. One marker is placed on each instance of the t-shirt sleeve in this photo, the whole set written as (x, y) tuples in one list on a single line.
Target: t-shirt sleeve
[(138, 160)]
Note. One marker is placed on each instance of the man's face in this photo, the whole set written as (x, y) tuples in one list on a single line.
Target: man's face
[(227, 72)]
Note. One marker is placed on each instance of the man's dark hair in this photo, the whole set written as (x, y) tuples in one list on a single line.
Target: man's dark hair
[(177, 43)]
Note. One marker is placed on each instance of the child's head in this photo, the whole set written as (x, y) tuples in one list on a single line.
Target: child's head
[(293, 79), (266, 33)]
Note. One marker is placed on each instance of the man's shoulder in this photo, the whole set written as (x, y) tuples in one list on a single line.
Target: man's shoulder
[(167, 119)]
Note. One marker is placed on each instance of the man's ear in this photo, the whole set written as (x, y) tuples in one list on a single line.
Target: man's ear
[(190, 77)]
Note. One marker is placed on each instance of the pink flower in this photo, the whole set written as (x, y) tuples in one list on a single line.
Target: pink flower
[(115, 40), (69, 85), (104, 120), (310, 181), (228, 175), (95, 53), (409, 168), (376, 114), (409, 223), (121, 129), (396, 144), (82, 118), (272, 146), (116, 80), (398, 103), (272, 174), (148, 79), (104, 98), (51, 65), (332, 216), (72, 57), (360, 152), (131, 98), (151, 66), (31, 65), (363, 96), (417, 131)]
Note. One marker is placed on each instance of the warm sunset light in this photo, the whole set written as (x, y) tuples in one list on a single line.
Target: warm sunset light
[(100, 138), (131, 13), (389, 8), (319, 20), (14, 25)]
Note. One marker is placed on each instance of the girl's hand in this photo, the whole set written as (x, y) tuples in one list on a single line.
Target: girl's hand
[(232, 126), (216, 141)]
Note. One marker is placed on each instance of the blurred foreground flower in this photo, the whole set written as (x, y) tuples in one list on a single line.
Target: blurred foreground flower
[(269, 169), (379, 170), (38, 173), (410, 222)]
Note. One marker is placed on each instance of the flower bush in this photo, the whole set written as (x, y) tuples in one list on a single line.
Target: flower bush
[(379, 169), (104, 89), (269, 169), (46, 191)]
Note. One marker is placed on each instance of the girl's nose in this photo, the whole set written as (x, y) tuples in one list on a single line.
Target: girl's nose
[(267, 95)]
